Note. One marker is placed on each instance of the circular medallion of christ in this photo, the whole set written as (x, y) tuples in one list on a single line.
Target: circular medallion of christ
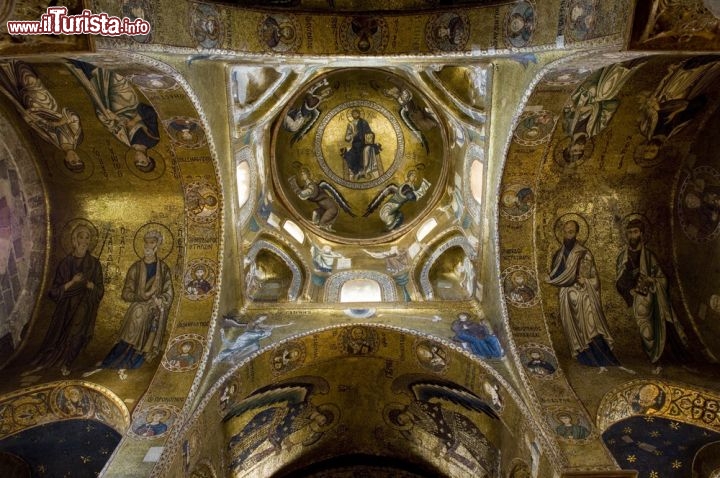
[(359, 155)]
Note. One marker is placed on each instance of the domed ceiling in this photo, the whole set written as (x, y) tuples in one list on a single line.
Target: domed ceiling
[(385, 237), (359, 155)]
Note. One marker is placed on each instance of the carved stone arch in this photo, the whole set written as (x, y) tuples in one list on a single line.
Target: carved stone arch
[(454, 241), (297, 276), (334, 284)]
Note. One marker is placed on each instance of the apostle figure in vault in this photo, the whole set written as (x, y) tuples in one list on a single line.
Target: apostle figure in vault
[(362, 160), (77, 290), (117, 107), (573, 271), (644, 286), (592, 106), (677, 100), (149, 290), (59, 126)]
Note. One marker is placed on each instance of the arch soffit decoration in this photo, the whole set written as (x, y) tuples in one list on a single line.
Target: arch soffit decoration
[(297, 276), (47, 403), (684, 403), (174, 442), (456, 240)]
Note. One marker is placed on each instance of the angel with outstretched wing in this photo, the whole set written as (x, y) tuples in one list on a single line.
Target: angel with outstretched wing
[(324, 195), (284, 418), (429, 413), (390, 212), (301, 120), (247, 342), (415, 119)]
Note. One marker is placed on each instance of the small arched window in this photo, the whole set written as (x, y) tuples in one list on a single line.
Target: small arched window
[(477, 180), (243, 182), (360, 290)]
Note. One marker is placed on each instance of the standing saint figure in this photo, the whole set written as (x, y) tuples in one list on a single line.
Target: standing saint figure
[(643, 285), (117, 107), (149, 290), (363, 158), (77, 290), (573, 272), (58, 126)]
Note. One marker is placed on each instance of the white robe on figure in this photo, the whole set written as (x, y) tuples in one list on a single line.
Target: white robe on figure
[(581, 311)]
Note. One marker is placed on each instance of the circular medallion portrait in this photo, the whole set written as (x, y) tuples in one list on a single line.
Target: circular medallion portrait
[(186, 132), (580, 20), (570, 425), (698, 204), (359, 156), (517, 202), (448, 32), (534, 128), (199, 279), (520, 24), (202, 201), (539, 360), (431, 355), (206, 26), (363, 34), (521, 287), (358, 340), (279, 33), (288, 357), (184, 353), (144, 9), (72, 401), (153, 422)]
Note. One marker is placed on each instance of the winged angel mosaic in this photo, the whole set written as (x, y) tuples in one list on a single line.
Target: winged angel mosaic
[(281, 417), (359, 154)]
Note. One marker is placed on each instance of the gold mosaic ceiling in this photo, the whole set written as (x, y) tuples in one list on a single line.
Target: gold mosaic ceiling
[(359, 155), (361, 150)]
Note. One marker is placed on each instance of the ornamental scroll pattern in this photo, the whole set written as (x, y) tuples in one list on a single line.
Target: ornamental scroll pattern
[(653, 397), (57, 401)]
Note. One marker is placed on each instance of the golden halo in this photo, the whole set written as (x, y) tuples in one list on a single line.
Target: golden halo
[(391, 408), (164, 249), (81, 175), (162, 411), (348, 113), (646, 222), (564, 143), (565, 413), (333, 410), (69, 227), (582, 234), (156, 158), (180, 343)]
